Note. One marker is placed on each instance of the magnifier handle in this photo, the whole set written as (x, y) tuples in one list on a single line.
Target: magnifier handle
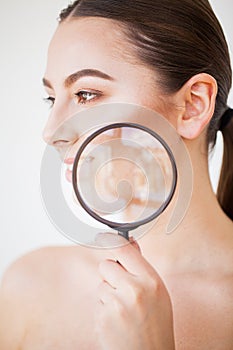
[(124, 234)]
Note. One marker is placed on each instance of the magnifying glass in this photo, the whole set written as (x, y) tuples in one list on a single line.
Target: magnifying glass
[(124, 176)]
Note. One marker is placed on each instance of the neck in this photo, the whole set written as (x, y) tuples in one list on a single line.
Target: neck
[(202, 221)]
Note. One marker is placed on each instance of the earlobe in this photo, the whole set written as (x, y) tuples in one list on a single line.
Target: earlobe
[(199, 95)]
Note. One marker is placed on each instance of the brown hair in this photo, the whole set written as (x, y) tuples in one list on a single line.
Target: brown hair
[(178, 39)]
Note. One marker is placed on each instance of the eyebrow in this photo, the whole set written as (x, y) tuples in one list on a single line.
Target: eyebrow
[(71, 79)]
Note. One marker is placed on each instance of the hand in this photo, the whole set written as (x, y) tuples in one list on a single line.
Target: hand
[(134, 310)]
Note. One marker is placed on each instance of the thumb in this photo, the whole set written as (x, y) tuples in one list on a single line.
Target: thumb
[(134, 244), (113, 240)]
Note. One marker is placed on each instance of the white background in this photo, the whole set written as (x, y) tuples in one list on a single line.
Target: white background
[(25, 30)]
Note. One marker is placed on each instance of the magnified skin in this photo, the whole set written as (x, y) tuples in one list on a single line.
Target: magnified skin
[(134, 169)]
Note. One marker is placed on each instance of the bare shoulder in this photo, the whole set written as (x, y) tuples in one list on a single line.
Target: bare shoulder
[(43, 265), (32, 281)]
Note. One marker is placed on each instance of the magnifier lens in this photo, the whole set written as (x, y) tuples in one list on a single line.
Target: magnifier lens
[(123, 175)]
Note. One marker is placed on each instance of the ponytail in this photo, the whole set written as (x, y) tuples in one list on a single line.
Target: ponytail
[(225, 186)]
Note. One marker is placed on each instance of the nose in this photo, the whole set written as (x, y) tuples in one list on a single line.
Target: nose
[(58, 132), (51, 133)]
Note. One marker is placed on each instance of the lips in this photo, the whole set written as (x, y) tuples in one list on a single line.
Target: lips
[(69, 163)]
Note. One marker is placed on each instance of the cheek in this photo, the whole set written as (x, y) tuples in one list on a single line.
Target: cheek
[(163, 106), (141, 90)]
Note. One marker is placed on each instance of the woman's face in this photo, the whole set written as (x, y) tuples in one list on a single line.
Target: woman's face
[(90, 63)]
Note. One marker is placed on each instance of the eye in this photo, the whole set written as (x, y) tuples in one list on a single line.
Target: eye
[(86, 96), (50, 100)]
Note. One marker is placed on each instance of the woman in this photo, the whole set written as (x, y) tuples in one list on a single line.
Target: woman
[(175, 292)]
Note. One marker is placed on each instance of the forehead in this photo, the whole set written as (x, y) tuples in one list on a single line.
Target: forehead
[(87, 42)]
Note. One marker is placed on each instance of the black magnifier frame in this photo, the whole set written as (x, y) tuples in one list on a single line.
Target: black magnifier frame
[(124, 228)]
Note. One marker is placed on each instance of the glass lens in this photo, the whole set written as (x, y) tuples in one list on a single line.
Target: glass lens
[(123, 175)]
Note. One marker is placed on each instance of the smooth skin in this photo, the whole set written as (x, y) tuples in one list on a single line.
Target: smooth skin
[(175, 291)]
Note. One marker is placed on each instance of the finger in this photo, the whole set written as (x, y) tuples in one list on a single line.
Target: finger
[(110, 240), (114, 274), (105, 293), (129, 257), (134, 244)]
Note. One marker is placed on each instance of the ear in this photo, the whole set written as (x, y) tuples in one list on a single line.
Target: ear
[(198, 96)]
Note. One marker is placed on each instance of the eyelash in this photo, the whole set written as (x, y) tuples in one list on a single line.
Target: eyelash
[(51, 99), (95, 94)]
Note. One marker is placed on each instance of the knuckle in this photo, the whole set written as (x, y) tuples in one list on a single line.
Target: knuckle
[(140, 291), (154, 285), (103, 292), (106, 266), (137, 294)]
